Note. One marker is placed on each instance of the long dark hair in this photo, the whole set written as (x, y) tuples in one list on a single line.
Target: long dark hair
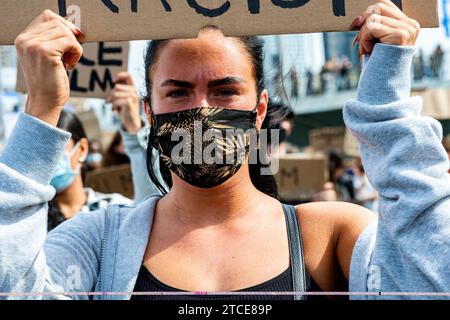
[(69, 122), (254, 48)]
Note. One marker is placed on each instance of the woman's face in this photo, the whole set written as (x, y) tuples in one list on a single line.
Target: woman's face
[(209, 71)]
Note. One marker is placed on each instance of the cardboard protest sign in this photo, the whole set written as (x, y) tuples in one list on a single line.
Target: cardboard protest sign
[(118, 20), (300, 176), (327, 139), (94, 74), (436, 102), (116, 179)]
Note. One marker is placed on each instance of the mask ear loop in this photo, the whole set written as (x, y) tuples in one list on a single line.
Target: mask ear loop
[(72, 152), (74, 149)]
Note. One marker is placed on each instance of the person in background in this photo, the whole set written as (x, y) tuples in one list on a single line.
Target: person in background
[(365, 193), (116, 154), (134, 132), (71, 195), (327, 194), (294, 83), (94, 158), (436, 60), (342, 177), (284, 117), (418, 66)]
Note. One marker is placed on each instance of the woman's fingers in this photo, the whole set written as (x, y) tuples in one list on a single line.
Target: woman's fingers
[(120, 103), (50, 16), (121, 95), (401, 27), (116, 95), (51, 30), (391, 4), (124, 78), (382, 8), (388, 35), (122, 91), (386, 23), (46, 49), (124, 87)]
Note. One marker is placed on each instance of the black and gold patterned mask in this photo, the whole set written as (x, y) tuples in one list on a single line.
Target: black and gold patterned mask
[(204, 146)]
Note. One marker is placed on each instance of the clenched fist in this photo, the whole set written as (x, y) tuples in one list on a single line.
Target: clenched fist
[(386, 23), (47, 48)]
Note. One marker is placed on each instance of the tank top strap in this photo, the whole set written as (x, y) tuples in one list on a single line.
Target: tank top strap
[(296, 251)]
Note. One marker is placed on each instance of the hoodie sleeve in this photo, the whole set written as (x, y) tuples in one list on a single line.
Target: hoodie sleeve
[(31, 261), (408, 248)]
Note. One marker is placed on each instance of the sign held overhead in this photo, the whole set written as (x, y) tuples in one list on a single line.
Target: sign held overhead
[(120, 20)]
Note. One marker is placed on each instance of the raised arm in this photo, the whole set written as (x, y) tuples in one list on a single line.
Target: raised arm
[(125, 102), (29, 261), (409, 250)]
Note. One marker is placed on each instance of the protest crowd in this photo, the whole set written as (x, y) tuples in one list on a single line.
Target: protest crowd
[(363, 208)]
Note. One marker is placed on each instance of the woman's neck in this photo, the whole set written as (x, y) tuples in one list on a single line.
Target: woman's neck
[(71, 200), (223, 204)]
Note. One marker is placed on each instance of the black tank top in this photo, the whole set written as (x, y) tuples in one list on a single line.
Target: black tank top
[(294, 279)]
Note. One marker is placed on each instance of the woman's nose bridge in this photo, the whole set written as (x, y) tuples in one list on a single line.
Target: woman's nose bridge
[(202, 99), (204, 103)]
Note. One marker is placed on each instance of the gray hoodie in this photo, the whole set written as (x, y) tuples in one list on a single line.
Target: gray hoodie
[(406, 250)]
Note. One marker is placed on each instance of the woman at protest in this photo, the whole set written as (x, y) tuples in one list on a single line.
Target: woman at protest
[(229, 232), (68, 178)]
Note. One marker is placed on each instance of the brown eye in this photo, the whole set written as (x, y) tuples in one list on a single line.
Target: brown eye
[(226, 92), (178, 94)]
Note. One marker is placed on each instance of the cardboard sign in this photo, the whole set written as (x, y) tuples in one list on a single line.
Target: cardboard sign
[(94, 74), (334, 139), (116, 20), (436, 102), (327, 139), (300, 176), (116, 179)]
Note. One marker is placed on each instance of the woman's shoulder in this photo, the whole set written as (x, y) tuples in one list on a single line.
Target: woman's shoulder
[(330, 231), (338, 220), (334, 210)]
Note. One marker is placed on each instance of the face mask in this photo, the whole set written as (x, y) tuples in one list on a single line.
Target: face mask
[(94, 158), (216, 144), (64, 175)]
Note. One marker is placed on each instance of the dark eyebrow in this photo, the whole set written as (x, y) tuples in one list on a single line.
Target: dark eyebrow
[(177, 83), (211, 84), (225, 81)]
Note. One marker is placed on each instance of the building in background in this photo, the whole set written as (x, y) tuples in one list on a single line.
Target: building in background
[(8, 63), (288, 61), (9, 99), (7, 56), (340, 44)]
